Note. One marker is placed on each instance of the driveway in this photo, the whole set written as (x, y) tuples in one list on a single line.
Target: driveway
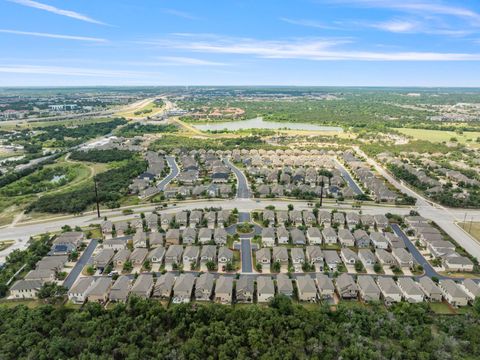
[(82, 261)]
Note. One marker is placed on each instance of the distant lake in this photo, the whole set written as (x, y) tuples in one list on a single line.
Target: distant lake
[(259, 123)]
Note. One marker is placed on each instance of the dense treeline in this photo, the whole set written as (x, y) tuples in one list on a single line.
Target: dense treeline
[(144, 329), (112, 185), (16, 175), (137, 129), (102, 156), (169, 142)]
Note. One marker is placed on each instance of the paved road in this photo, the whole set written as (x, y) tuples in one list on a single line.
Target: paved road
[(418, 257), (348, 178), (82, 261), (173, 173), (243, 191), (246, 254), (444, 217)]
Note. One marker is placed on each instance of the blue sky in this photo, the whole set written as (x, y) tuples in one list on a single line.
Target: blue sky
[(240, 42)]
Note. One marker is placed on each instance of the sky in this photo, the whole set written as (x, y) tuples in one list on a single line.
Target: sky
[(428, 43)]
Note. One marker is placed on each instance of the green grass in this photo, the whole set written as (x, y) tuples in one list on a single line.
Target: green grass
[(439, 136), (441, 308)]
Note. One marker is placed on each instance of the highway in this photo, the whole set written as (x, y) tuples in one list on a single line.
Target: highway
[(82, 261), (172, 175), (243, 191)]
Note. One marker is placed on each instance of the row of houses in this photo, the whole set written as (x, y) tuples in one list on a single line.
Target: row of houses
[(377, 186), (154, 222), (330, 260), (349, 220), (433, 240), (330, 236), (172, 256)]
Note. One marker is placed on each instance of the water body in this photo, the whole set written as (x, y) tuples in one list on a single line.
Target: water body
[(259, 123)]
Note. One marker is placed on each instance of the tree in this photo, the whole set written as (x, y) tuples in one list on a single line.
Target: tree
[(258, 267), (128, 266), (290, 207), (276, 266), (377, 267), (90, 270), (210, 265), (51, 292)]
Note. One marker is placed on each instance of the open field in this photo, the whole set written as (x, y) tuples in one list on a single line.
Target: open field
[(147, 108), (440, 135), (471, 228), (7, 125)]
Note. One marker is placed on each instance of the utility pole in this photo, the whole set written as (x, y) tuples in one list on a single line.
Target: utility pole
[(96, 195)]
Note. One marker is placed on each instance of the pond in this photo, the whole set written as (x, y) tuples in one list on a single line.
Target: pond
[(259, 123)]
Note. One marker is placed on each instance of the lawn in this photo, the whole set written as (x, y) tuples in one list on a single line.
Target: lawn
[(441, 308), (473, 228), (440, 135)]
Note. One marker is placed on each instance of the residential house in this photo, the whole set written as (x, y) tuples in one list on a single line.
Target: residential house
[(280, 255), (367, 220), (100, 289), (268, 237), (453, 293), (103, 258), (190, 257), (208, 254), (471, 288), (166, 220), (44, 275), (308, 217), (315, 257), (353, 219), (196, 218), (282, 217), (204, 287), (25, 289), (225, 256), (346, 286), (348, 256), (265, 289), (224, 290), (367, 288), (403, 258), (346, 238), (381, 221), (284, 285), (173, 256), (263, 257), (152, 222), (140, 239), (326, 289), (121, 257), (156, 255), (362, 240), (391, 293), (269, 217), (411, 290), (73, 238), (378, 240), (143, 286), (385, 258), (339, 218), (324, 217), (394, 241), (367, 257), (138, 256), (211, 217), (172, 237), (107, 229), (314, 236), (298, 237), (204, 235), (78, 293), (181, 219), (332, 259), (115, 244), (164, 285), (155, 239), (295, 217), (120, 289), (220, 236), (245, 289), (431, 290), (458, 263), (183, 288), (329, 235), (283, 235), (307, 291), (298, 258), (189, 236)]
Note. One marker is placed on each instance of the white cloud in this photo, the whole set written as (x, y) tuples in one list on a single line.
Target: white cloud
[(304, 48), (53, 36), (397, 26), (180, 60), (308, 23), (416, 6), (181, 14), (70, 71), (55, 10)]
